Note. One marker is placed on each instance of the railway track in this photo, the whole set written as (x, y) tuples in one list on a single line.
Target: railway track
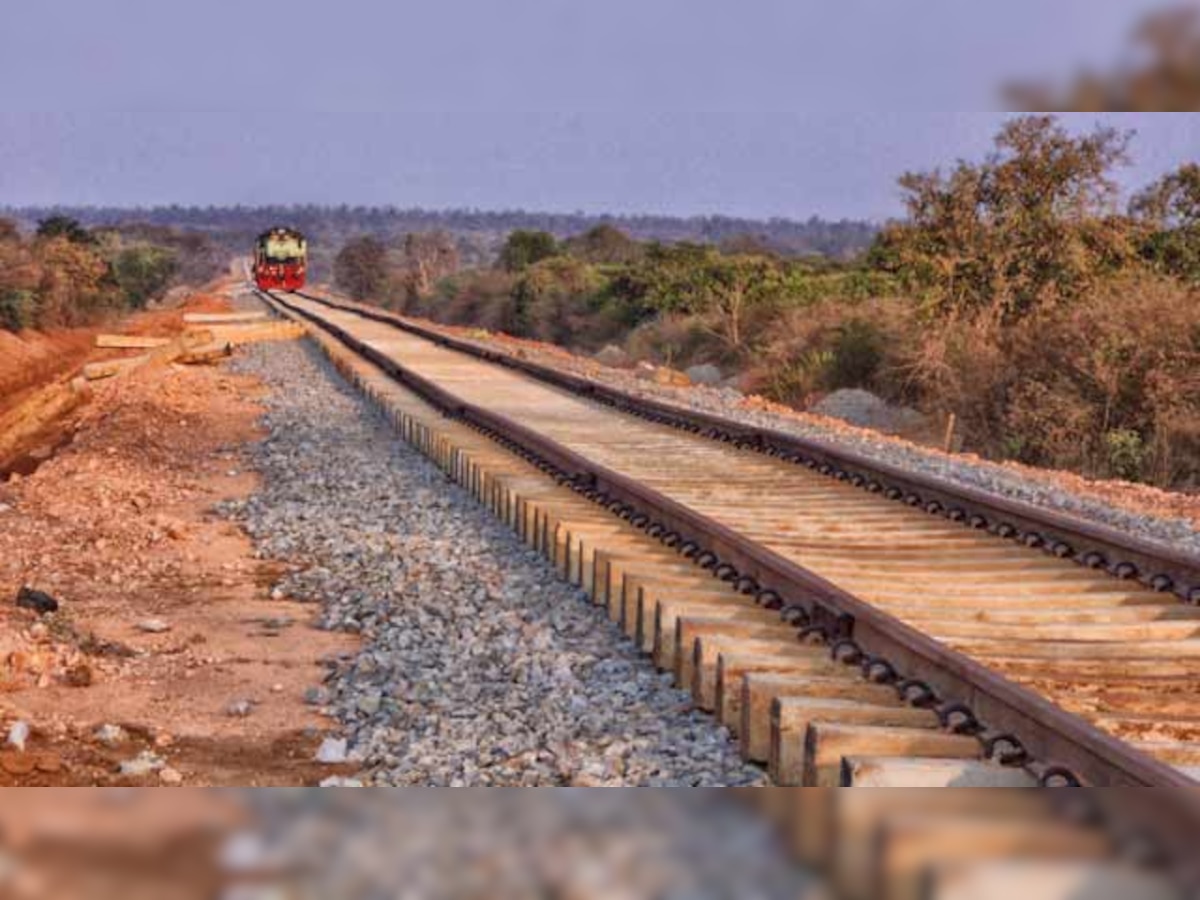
[(854, 625)]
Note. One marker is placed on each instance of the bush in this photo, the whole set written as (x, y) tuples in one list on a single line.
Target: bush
[(144, 273), (361, 269), (1126, 453), (833, 345), (678, 341), (560, 300), (76, 287), (856, 356), (18, 309), (795, 380), (526, 248), (555, 300), (1107, 386), (481, 298)]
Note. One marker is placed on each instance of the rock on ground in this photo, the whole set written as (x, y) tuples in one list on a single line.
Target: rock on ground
[(612, 355), (18, 734), (866, 410), (480, 667), (706, 374)]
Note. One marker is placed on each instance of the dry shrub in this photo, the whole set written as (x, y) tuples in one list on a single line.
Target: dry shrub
[(683, 339), (1108, 385), (557, 299), (481, 298), (675, 339), (961, 366), (830, 345)]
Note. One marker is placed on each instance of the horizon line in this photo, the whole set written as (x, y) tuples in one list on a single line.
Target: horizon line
[(488, 211)]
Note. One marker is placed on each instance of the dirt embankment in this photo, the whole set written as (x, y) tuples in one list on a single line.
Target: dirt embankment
[(38, 401), (166, 630), (31, 359)]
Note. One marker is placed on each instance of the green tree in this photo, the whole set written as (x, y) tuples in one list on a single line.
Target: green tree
[(525, 248), (1170, 211), (144, 272), (76, 286), (554, 297), (698, 280), (739, 286), (1034, 223), (667, 278), (65, 227), (361, 268), (604, 245)]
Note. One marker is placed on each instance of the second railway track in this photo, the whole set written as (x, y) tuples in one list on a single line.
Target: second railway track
[(843, 632)]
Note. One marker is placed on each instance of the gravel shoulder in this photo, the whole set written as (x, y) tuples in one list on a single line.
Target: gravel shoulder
[(479, 666)]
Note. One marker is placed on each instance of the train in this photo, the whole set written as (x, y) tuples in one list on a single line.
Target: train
[(280, 260)]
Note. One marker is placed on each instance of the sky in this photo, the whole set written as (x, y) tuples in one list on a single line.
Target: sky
[(754, 108)]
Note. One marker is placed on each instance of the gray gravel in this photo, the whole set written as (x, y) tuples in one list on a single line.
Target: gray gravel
[(866, 410), (504, 844), (479, 666)]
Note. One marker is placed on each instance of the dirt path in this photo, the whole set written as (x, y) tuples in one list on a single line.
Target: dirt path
[(119, 527)]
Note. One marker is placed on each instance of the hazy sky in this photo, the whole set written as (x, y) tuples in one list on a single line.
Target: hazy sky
[(747, 107)]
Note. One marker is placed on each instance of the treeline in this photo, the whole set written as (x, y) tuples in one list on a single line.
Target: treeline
[(478, 234), (1059, 327), (65, 275), (1063, 328), (593, 288)]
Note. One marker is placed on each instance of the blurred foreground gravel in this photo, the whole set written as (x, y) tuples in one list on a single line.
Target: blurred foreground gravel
[(479, 666), (420, 843), (564, 843)]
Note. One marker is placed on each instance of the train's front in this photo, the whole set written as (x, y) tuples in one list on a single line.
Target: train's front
[(284, 260)]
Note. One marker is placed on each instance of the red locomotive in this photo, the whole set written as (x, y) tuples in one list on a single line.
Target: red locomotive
[(280, 260)]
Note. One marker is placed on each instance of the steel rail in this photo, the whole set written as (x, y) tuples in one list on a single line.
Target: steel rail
[(1089, 543), (1033, 729)]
